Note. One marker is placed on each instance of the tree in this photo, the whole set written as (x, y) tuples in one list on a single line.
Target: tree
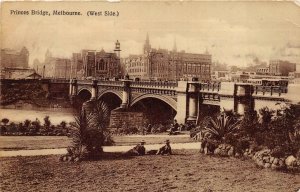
[(27, 123), (5, 121), (90, 132), (47, 122), (36, 125), (63, 124)]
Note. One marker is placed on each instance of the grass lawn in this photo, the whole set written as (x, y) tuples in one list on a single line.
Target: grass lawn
[(52, 142), (186, 170)]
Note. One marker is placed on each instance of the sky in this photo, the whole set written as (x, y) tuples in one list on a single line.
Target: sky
[(236, 33)]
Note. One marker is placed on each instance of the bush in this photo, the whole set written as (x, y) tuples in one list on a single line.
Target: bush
[(204, 123), (278, 152), (241, 145), (222, 127), (12, 128), (159, 128)]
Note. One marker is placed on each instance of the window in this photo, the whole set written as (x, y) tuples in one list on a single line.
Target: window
[(101, 65)]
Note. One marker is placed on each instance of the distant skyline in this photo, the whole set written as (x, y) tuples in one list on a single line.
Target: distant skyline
[(236, 33)]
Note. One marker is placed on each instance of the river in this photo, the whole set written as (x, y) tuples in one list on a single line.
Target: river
[(56, 115)]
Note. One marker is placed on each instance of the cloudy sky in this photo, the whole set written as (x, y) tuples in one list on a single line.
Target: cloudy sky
[(235, 33)]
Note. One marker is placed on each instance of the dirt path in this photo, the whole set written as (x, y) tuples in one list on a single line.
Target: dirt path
[(106, 149)]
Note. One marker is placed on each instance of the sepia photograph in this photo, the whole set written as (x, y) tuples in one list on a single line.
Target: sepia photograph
[(158, 96)]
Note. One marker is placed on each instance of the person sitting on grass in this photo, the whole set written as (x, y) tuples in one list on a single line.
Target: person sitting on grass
[(174, 128), (138, 150), (165, 150)]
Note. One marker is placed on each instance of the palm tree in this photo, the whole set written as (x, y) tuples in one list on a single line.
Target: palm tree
[(100, 121), (90, 130), (79, 136)]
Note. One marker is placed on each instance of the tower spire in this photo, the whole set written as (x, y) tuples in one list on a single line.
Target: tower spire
[(147, 46)]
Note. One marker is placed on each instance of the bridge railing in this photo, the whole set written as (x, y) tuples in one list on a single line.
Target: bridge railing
[(110, 83), (270, 90), (154, 84), (213, 87)]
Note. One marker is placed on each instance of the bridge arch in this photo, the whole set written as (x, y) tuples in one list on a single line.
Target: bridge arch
[(81, 90), (171, 102), (108, 91), (82, 96), (111, 97), (156, 109)]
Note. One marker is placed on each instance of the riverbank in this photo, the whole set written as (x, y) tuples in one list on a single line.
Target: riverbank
[(186, 170)]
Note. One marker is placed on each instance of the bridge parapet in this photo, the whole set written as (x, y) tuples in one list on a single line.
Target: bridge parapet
[(269, 90), (154, 84), (111, 83), (210, 87), (84, 82)]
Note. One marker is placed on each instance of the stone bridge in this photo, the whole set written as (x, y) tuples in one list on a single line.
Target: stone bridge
[(189, 99)]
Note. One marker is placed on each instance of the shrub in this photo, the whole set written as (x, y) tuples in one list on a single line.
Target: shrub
[(159, 128), (12, 127), (36, 125), (202, 124), (63, 125), (278, 152), (241, 145), (22, 128), (266, 115), (249, 125), (221, 127)]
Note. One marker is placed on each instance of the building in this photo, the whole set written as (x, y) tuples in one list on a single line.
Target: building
[(98, 64), (282, 68), (58, 68), (294, 77), (162, 64), (277, 68), (19, 73), (220, 75), (53, 67), (13, 58), (135, 66), (76, 65)]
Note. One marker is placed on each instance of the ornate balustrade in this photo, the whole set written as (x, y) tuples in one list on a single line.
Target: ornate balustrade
[(154, 84), (211, 87), (111, 83), (270, 90)]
